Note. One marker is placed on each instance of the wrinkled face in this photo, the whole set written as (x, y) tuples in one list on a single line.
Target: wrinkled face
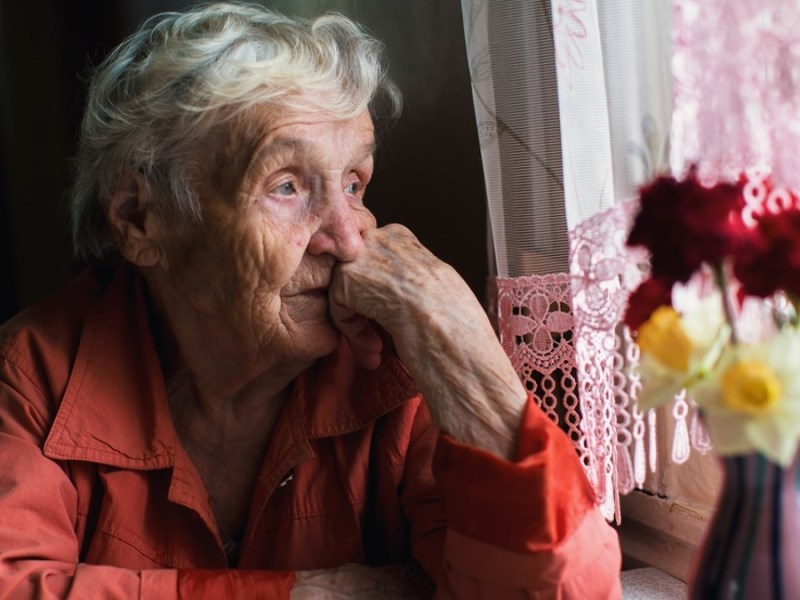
[(282, 200)]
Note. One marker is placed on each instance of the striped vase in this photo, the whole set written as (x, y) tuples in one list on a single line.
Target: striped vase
[(751, 548)]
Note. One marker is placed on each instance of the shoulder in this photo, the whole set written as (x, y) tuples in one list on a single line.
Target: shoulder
[(38, 348)]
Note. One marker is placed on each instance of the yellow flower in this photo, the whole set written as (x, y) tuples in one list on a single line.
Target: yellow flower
[(662, 337), (750, 387), (678, 350)]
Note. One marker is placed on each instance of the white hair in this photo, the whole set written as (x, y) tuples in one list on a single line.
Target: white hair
[(157, 96)]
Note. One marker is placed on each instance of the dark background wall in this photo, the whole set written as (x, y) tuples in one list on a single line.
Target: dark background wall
[(428, 173)]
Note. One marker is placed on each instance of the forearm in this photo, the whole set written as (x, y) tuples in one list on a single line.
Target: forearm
[(471, 388), (523, 528)]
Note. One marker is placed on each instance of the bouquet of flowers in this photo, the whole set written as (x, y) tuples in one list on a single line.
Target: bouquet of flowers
[(746, 385)]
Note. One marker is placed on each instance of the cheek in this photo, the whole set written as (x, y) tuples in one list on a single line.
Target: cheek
[(269, 257), (191, 262), (298, 243)]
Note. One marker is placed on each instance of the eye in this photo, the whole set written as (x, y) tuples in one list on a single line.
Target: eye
[(286, 189), (353, 187)]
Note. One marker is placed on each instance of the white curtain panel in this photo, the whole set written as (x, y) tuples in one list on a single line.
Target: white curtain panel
[(572, 101)]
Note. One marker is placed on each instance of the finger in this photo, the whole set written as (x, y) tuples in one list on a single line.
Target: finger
[(362, 338)]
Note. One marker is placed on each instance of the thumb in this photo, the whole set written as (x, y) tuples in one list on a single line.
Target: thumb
[(361, 336)]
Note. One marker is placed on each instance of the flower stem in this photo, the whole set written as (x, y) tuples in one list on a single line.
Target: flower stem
[(727, 306)]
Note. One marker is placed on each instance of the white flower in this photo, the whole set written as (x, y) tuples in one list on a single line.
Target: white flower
[(751, 401)]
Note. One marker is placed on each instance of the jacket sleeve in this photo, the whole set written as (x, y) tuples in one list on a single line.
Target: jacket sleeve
[(524, 529), (39, 547)]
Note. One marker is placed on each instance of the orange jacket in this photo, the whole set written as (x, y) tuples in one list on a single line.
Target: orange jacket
[(99, 500)]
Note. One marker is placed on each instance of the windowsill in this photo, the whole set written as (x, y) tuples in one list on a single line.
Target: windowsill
[(659, 533)]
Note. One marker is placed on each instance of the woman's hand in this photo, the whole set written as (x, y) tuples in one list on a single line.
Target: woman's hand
[(440, 332)]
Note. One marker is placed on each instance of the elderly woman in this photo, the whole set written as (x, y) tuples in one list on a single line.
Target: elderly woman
[(232, 395)]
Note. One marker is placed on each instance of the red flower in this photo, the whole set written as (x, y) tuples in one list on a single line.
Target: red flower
[(769, 260), (684, 224), (645, 299)]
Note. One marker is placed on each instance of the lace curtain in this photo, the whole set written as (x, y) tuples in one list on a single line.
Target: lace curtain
[(737, 93), (572, 101)]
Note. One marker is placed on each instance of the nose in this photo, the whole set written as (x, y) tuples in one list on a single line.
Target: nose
[(341, 229)]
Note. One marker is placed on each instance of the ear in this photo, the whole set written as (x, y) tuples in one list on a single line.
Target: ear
[(131, 215)]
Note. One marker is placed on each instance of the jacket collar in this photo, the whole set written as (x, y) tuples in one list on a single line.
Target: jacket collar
[(114, 409), (115, 412)]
